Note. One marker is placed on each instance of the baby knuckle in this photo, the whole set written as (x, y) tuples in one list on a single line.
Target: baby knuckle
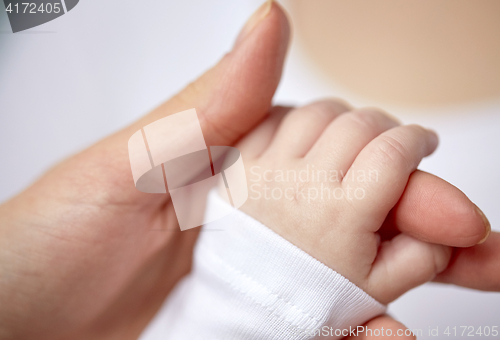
[(393, 152), (326, 107), (418, 130), (365, 118), (375, 111)]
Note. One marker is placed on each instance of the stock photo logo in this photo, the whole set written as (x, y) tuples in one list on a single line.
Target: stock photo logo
[(170, 155), (24, 15)]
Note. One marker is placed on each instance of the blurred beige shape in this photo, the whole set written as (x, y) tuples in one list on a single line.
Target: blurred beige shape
[(405, 52), (173, 149)]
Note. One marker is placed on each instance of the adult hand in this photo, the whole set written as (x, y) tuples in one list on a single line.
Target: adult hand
[(84, 255)]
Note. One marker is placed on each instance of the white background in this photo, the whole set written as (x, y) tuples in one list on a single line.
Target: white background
[(70, 82)]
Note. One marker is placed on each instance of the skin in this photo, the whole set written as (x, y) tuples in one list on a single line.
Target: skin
[(342, 231), (84, 255)]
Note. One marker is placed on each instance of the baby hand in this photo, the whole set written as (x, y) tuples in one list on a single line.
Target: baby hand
[(325, 177)]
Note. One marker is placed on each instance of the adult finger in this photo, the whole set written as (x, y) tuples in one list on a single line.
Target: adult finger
[(235, 94), (433, 210), (476, 267), (230, 99)]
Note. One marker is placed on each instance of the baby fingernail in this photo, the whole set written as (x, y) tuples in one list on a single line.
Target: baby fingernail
[(486, 223), (254, 20)]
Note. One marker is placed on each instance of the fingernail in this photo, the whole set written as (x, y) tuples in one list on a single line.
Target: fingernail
[(487, 225), (254, 20)]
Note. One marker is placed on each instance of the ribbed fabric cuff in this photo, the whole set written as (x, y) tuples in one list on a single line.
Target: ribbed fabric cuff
[(301, 293)]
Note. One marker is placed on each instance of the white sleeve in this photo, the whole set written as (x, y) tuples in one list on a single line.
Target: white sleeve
[(247, 282)]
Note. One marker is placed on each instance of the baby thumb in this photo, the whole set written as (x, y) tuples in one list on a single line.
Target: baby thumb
[(404, 263)]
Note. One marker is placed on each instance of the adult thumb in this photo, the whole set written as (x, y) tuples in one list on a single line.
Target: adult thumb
[(230, 99), (235, 94)]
